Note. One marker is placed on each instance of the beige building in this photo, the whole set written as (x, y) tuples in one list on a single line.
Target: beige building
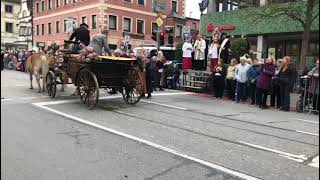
[(9, 23), (25, 26)]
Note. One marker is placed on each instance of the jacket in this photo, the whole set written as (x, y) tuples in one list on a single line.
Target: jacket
[(253, 73), (266, 73), (288, 76), (81, 34)]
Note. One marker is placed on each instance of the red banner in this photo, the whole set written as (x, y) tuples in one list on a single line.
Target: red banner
[(210, 27)]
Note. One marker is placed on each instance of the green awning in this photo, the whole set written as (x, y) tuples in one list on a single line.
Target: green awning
[(248, 21)]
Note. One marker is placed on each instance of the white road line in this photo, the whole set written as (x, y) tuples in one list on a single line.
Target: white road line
[(309, 133), (149, 143), (315, 162), (18, 85), (107, 97), (26, 98), (285, 154), (165, 105), (304, 120)]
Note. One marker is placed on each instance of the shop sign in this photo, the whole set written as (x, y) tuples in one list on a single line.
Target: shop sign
[(40, 44), (210, 27), (133, 35)]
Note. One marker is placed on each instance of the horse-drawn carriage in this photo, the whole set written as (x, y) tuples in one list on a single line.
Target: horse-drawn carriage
[(106, 72)]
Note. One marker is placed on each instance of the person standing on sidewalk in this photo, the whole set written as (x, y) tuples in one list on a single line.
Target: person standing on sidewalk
[(242, 79), (213, 54), (286, 79), (160, 65), (187, 49), (199, 48), (275, 100), (253, 75), (219, 77), (151, 74), (231, 78), (267, 70)]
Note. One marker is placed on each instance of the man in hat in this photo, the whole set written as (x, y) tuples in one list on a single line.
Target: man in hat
[(81, 35)]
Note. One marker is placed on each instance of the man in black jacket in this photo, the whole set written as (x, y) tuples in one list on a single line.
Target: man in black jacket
[(81, 35)]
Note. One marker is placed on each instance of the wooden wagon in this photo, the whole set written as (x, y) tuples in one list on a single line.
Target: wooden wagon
[(108, 72)]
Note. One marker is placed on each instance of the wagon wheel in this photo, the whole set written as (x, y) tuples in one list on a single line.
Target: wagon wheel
[(111, 90), (299, 105), (88, 88), (51, 84), (133, 88)]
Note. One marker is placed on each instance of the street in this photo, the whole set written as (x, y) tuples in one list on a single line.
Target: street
[(176, 135)]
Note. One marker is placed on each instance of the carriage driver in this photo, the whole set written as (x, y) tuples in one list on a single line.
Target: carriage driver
[(81, 35)]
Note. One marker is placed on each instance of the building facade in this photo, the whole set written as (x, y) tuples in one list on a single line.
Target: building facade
[(135, 18), (277, 36), (25, 26), (9, 23)]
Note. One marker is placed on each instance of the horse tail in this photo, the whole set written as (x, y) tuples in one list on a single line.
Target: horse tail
[(29, 64)]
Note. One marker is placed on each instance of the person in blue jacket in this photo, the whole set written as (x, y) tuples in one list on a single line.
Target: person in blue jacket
[(253, 75)]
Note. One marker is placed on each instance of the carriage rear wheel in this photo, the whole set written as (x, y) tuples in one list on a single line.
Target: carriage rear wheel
[(51, 84), (88, 88), (299, 106), (133, 88)]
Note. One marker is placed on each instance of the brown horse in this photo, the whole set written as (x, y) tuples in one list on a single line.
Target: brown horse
[(38, 64)]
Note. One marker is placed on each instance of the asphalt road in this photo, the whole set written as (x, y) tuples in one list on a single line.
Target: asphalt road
[(175, 135)]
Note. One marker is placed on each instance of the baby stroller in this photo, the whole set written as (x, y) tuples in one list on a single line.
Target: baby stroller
[(304, 98)]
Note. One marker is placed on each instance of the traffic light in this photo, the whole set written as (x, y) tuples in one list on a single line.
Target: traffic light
[(162, 38), (154, 36)]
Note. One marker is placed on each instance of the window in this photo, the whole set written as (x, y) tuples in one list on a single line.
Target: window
[(141, 2), (84, 19), (49, 28), (94, 21), (194, 26), (127, 24), (37, 30), (49, 4), (9, 27), (112, 22), (65, 25), (57, 3), (37, 7), (42, 6), (42, 29), (179, 31), (174, 6), (8, 9), (58, 27), (140, 27), (155, 27), (74, 1), (127, 0), (66, 2)]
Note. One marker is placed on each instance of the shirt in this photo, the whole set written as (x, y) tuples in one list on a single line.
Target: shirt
[(231, 72), (242, 73), (213, 51), (186, 52)]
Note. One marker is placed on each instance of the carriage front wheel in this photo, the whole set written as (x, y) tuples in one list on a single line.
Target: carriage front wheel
[(88, 88), (51, 84), (133, 87)]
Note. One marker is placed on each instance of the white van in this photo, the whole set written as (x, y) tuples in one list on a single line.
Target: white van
[(168, 52)]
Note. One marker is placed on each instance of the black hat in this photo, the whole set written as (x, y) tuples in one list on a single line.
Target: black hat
[(84, 24)]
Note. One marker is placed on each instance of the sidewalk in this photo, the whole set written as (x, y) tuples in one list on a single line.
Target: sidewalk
[(293, 99)]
